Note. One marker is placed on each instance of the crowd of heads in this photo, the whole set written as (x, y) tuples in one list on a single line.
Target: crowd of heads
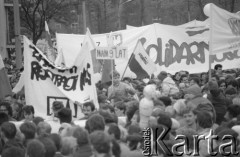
[(185, 104)]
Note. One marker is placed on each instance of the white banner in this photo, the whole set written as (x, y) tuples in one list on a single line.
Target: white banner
[(172, 48), (225, 30), (45, 83)]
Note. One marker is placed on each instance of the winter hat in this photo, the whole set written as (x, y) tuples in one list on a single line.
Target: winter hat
[(212, 85), (149, 91), (145, 111), (194, 89), (162, 75)]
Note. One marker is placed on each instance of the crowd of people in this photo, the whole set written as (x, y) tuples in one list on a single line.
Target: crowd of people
[(185, 104)]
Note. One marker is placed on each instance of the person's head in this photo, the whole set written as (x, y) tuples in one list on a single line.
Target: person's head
[(17, 111), (88, 108), (236, 100), (120, 108), (177, 76), (189, 134), (218, 68), (107, 108), (222, 85), (232, 112), (114, 131), (49, 146), (35, 149), (182, 86), (203, 76), (95, 122), (192, 92), (230, 93), (203, 119), (189, 117), (179, 107), (233, 83), (37, 120), (28, 129), (165, 120), (166, 100), (57, 141), (43, 128), (136, 118), (82, 136), (134, 140), (6, 108), (162, 75), (127, 80), (8, 130), (100, 142), (28, 112), (3, 118), (65, 115), (184, 79), (108, 117), (13, 152), (8, 98), (132, 107), (195, 80), (115, 75), (69, 145), (56, 107), (215, 78)]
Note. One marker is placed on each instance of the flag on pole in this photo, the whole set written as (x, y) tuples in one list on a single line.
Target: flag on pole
[(140, 63), (97, 64), (224, 30), (48, 35), (5, 87)]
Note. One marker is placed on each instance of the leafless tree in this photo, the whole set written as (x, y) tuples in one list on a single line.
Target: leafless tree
[(34, 13)]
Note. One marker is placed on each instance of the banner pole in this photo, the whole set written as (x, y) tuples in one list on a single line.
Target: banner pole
[(112, 101), (210, 44), (127, 66)]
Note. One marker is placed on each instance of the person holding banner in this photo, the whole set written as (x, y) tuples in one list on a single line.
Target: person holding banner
[(119, 88)]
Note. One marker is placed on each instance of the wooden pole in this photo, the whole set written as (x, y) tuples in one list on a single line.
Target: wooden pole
[(17, 34), (127, 66), (210, 44)]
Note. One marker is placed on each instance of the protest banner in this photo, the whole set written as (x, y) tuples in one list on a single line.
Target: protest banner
[(224, 29), (172, 48), (45, 83)]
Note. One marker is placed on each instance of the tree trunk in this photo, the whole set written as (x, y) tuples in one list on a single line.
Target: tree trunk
[(105, 15), (232, 6), (142, 12), (203, 16)]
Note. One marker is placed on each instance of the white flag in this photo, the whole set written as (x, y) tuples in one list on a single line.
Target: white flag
[(224, 29), (141, 64)]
